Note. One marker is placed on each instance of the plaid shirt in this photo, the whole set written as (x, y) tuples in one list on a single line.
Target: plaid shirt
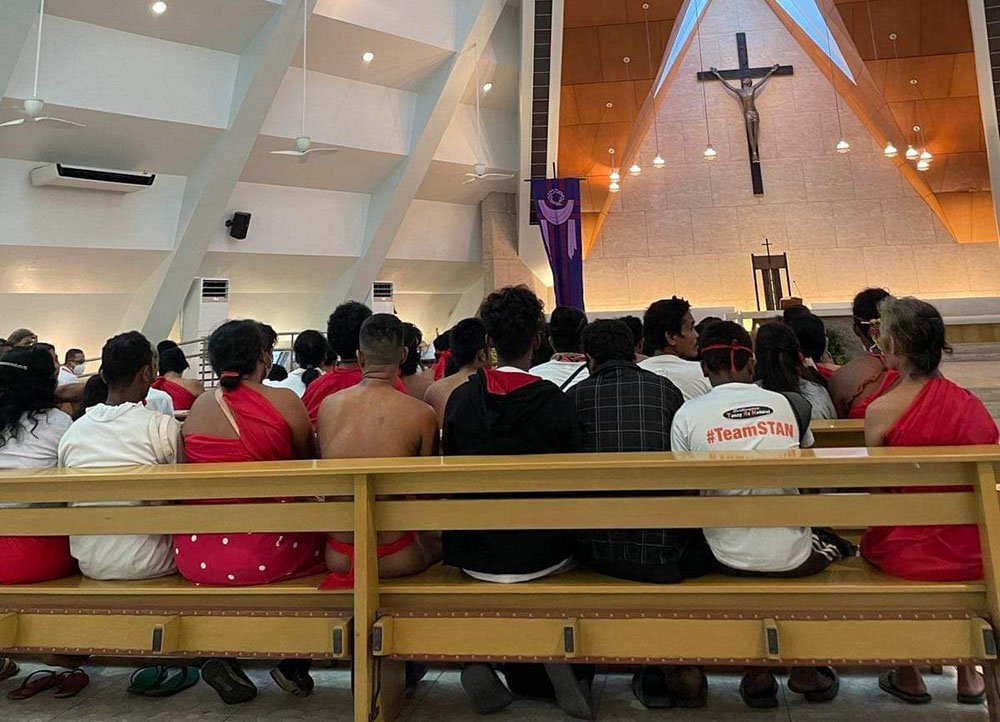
[(622, 407)]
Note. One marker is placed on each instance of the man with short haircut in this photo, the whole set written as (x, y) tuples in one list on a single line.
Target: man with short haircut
[(342, 331), (122, 432), (22, 337), (470, 352), (634, 324), (72, 367), (738, 415), (623, 407), (157, 400), (672, 341), (371, 420), (568, 365), (510, 411)]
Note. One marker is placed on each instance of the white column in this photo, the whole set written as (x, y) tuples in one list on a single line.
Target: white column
[(987, 99)]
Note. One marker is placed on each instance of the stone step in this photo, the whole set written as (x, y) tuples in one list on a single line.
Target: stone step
[(975, 352)]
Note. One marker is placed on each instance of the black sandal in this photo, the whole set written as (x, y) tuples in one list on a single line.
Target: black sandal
[(766, 699), (649, 685), (826, 694), (887, 684)]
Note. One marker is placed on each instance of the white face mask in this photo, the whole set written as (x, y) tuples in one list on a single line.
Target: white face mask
[(79, 369)]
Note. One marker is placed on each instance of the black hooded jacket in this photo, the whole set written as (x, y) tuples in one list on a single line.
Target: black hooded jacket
[(497, 412)]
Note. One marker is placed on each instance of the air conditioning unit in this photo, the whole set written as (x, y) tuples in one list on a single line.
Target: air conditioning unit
[(383, 300), (95, 179), (206, 307)]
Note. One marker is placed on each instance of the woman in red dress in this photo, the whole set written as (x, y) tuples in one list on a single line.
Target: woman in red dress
[(924, 409), (171, 380), (862, 380), (244, 420)]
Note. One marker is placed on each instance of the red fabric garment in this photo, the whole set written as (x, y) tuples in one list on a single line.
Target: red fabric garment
[(440, 365), (859, 409), (330, 383), (943, 414), (345, 580), (501, 383), (826, 371), (30, 559), (241, 559), (182, 398)]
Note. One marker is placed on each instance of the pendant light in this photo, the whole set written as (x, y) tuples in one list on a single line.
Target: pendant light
[(890, 151), (842, 145), (912, 153), (710, 152), (658, 161), (615, 176), (635, 169)]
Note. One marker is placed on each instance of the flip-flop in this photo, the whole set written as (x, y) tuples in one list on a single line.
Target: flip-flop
[(7, 668), (147, 679), (766, 699), (972, 698), (888, 685), (821, 695), (229, 680), (649, 685), (34, 683), (71, 683), (186, 678)]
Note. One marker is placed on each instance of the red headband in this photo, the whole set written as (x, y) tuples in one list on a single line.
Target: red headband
[(733, 349), (230, 375)]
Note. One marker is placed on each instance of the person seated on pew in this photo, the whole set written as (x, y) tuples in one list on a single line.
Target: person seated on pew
[(22, 337), (780, 368), (244, 420), (413, 377), (622, 407), (73, 367), (5, 346), (122, 431), (672, 341), (310, 350), (634, 324), (442, 352), (276, 375), (342, 331), (811, 332), (470, 352), (507, 410), (405, 427), (171, 381), (31, 426), (862, 380), (738, 415), (568, 365), (924, 409)]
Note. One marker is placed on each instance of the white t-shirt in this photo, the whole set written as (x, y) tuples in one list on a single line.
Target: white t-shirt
[(559, 371), (745, 417), (685, 375), (293, 382), (36, 446), (122, 435), (161, 401), (67, 377)]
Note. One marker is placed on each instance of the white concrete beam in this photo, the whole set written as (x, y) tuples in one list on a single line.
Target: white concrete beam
[(262, 67), (17, 18), (435, 107), (987, 98)]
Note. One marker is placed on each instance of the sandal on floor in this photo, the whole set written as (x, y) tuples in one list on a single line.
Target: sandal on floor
[(820, 695), (229, 680), (887, 683), (34, 683), (7, 668), (649, 685), (765, 699), (186, 678), (147, 679), (71, 683), (485, 690), (574, 696)]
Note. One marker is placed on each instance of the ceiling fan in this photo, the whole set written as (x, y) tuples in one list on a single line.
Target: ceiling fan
[(33, 106), (479, 169), (302, 143)]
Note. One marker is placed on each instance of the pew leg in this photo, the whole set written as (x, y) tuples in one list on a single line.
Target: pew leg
[(991, 675), (391, 697)]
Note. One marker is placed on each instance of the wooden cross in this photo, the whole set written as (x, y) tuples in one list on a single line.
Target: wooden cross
[(752, 118)]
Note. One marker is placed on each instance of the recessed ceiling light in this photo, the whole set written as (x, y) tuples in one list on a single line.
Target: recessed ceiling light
[(487, 87), (158, 8), (368, 56)]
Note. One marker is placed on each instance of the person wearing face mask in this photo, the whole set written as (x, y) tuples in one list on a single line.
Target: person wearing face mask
[(73, 367), (672, 340)]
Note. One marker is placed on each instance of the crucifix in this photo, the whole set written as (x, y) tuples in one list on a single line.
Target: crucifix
[(747, 94)]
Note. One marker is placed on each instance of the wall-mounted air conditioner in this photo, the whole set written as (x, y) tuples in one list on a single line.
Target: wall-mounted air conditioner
[(383, 300), (94, 179)]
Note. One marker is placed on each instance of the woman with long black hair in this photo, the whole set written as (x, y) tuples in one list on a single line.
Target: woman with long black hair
[(780, 368)]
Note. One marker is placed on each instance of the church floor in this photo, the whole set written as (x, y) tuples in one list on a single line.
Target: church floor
[(440, 699)]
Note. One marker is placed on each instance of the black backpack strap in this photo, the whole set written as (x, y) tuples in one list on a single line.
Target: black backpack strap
[(802, 409), (576, 373)]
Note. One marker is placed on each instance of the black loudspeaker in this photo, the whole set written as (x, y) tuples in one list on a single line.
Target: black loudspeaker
[(239, 225)]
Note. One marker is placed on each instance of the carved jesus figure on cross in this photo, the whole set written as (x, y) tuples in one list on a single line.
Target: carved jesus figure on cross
[(746, 94)]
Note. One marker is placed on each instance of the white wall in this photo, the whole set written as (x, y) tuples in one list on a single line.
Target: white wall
[(405, 18), (439, 232)]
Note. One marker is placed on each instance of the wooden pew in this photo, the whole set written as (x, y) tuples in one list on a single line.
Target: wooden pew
[(838, 433)]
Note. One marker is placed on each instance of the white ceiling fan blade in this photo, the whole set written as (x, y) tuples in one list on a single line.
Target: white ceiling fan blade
[(472, 175), (12, 122), (473, 179), (58, 120), (322, 150), (298, 153), (498, 176)]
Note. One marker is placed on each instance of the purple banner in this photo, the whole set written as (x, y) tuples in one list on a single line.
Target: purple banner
[(557, 202)]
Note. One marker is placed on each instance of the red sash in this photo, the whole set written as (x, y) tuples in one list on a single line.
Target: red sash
[(943, 414), (859, 409), (264, 433), (440, 365), (182, 398)]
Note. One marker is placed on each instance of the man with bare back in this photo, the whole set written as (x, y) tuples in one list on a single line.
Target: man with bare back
[(369, 420)]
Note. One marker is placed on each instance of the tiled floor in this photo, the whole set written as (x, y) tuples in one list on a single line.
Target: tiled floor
[(440, 698)]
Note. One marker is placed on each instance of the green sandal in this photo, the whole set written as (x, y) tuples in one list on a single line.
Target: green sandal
[(186, 678), (147, 679)]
